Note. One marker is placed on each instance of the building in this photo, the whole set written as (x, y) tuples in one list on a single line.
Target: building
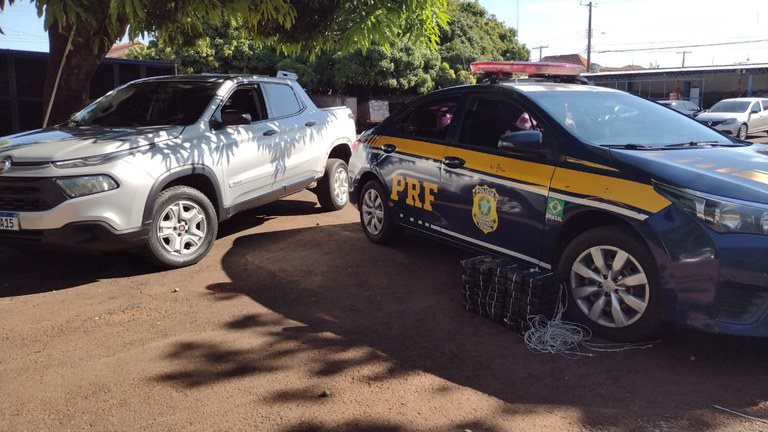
[(121, 50), (578, 59), (702, 85), (22, 78)]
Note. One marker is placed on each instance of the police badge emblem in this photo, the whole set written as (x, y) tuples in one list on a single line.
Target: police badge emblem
[(484, 208)]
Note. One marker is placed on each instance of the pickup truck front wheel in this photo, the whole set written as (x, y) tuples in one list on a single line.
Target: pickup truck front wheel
[(333, 188), (184, 226)]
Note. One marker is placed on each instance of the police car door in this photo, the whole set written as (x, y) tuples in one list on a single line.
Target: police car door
[(411, 153), (497, 199)]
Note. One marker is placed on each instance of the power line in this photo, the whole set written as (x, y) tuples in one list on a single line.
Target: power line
[(684, 46), (540, 47)]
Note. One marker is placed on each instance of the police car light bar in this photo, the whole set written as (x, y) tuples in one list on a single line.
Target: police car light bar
[(528, 68)]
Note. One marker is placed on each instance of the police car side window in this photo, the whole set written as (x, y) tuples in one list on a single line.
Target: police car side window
[(431, 119), (488, 119)]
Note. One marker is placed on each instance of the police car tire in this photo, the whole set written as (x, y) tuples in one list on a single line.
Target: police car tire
[(325, 186), (389, 229), (155, 252), (648, 324)]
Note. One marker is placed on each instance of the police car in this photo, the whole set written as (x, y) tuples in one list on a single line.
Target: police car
[(647, 214)]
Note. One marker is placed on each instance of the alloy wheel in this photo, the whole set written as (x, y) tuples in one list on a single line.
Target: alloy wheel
[(373, 212), (182, 228), (341, 186), (609, 286)]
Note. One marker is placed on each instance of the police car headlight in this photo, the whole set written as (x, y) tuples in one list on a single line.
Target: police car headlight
[(724, 215), (764, 223), (75, 187)]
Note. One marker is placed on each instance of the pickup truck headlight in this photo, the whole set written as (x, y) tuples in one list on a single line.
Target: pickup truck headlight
[(724, 215), (100, 159), (76, 187)]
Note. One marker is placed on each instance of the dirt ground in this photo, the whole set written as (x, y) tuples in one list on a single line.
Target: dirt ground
[(292, 302)]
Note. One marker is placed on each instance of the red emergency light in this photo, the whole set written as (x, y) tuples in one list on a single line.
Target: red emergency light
[(528, 68)]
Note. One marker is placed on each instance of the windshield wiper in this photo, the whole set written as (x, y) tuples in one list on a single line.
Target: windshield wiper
[(629, 146), (703, 144)]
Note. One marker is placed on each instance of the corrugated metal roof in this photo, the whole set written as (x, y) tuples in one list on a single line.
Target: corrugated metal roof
[(685, 70)]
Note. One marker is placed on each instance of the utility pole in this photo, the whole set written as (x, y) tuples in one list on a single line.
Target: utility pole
[(589, 35), (541, 47), (683, 53)]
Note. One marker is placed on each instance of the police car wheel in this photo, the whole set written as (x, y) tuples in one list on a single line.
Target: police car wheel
[(375, 214), (184, 227), (613, 284), (333, 188)]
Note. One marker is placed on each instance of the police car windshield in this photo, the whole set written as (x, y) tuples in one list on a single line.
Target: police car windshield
[(149, 103), (617, 118)]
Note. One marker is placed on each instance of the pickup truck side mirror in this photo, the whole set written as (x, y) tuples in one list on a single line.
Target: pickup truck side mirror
[(230, 118), (235, 117), (522, 142)]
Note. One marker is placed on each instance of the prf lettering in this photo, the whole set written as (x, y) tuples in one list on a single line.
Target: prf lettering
[(417, 193)]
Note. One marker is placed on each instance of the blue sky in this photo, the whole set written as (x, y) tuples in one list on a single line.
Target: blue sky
[(561, 24)]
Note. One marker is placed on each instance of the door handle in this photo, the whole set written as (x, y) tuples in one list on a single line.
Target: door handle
[(388, 148), (271, 132), (453, 162), (309, 124)]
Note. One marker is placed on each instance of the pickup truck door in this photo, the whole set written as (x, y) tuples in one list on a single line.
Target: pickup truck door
[(297, 146), (244, 152)]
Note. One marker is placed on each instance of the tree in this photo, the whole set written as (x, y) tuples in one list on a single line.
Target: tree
[(475, 35), (292, 26)]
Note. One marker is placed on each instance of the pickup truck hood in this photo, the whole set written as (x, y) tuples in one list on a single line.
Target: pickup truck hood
[(734, 172), (64, 143)]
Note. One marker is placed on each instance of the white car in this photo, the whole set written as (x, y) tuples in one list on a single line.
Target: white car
[(738, 117), (156, 164)]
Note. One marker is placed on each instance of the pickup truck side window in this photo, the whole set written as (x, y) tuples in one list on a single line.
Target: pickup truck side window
[(281, 100), (431, 120), (765, 104), (245, 100)]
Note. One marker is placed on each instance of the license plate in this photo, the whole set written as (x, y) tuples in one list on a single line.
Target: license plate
[(9, 221)]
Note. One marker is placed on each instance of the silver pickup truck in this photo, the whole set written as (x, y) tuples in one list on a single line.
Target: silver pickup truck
[(156, 164)]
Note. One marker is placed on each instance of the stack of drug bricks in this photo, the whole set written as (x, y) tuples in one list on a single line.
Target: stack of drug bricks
[(508, 291)]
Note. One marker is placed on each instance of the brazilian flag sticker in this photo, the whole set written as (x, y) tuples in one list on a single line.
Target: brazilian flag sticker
[(555, 209)]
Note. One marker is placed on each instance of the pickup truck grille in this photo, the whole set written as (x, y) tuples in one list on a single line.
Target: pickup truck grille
[(29, 194)]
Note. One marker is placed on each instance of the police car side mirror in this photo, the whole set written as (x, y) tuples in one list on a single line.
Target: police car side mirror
[(522, 142)]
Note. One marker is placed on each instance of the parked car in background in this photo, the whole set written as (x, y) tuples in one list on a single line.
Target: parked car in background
[(738, 116), (686, 107), (156, 164)]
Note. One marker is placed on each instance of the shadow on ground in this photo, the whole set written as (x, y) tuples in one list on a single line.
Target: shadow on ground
[(403, 301), (31, 272)]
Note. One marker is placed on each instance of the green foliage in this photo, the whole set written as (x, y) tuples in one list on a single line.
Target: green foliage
[(374, 69), (292, 26), (475, 35)]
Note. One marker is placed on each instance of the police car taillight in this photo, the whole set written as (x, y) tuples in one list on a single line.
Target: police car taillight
[(527, 68)]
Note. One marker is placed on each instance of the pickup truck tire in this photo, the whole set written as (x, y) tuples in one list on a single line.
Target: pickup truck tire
[(184, 226), (613, 284), (376, 214), (333, 188)]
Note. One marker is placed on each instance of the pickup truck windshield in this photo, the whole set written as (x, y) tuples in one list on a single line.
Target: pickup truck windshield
[(616, 118), (149, 103)]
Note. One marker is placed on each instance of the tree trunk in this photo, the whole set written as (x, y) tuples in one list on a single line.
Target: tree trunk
[(73, 90)]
